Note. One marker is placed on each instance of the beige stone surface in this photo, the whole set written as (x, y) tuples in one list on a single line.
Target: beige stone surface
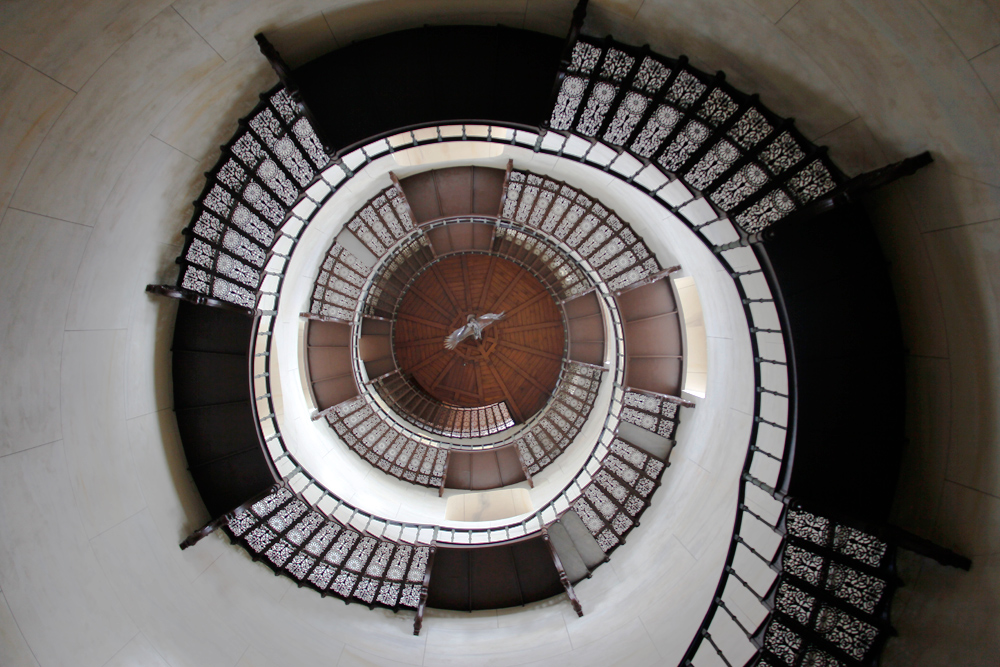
[(905, 77), (973, 25), (39, 258), (30, 102), (141, 212), (94, 139), (12, 645), (207, 114), (95, 435), (987, 66), (60, 596), (94, 495), (230, 26), (69, 42), (137, 652)]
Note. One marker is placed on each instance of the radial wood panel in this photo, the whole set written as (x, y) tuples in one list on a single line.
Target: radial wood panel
[(519, 358)]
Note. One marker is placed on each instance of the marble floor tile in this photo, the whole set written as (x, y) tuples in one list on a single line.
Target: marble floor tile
[(705, 519), (38, 261), (914, 281), (332, 628), (13, 648), (942, 199), (512, 645), (774, 10), (966, 261), (947, 617), (969, 521), (674, 619), (206, 117), (304, 40), (138, 652), (626, 8), (57, 591), (254, 658), (987, 66), (928, 431), (95, 435), (629, 645), (97, 135), (148, 206), (289, 625), (230, 26), (972, 24), (905, 76), (69, 42), (171, 497), (144, 574), (30, 102), (356, 657), (853, 148), (651, 566)]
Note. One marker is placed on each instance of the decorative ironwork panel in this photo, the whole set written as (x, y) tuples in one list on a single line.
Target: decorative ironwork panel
[(263, 171), (383, 445), (570, 407), (620, 491), (334, 560), (596, 232)]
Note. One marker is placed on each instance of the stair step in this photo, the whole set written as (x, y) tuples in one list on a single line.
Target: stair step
[(206, 329), (652, 443), (585, 544), (572, 562), (207, 378)]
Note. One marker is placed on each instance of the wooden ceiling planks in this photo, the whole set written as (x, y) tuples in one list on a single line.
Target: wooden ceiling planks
[(519, 358)]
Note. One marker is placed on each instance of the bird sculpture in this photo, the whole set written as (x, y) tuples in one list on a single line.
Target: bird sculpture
[(473, 327)]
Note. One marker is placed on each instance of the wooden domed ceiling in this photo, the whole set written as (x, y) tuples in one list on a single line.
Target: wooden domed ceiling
[(518, 359)]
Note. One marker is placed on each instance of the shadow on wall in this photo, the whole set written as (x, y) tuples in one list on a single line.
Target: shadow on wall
[(311, 37), (947, 299)]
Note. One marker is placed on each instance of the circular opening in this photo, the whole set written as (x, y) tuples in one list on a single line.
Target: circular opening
[(515, 360)]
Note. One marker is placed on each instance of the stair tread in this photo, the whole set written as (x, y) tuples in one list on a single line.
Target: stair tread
[(585, 544), (572, 561)]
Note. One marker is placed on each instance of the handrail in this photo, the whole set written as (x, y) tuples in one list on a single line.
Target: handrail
[(759, 323), (334, 177), (773, 173), (284, 461), (562, 251)]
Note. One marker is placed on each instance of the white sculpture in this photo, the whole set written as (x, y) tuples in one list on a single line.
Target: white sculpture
[(473, 327)]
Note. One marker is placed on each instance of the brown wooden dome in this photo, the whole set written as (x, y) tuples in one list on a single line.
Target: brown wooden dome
[(518, 359)]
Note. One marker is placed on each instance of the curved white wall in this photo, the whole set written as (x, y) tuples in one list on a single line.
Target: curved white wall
[(111, 111)]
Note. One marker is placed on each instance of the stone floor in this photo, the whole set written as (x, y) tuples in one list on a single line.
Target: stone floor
[(112, 109)]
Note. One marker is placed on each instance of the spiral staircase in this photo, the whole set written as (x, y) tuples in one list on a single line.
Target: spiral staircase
[(810, 573)]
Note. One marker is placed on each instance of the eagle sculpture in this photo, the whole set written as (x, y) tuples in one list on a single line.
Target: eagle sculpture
[(473, 327)]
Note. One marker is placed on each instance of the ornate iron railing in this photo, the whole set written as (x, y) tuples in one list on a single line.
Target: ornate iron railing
[(377, 432), (328, 553), (260, 176), (286, 466), (724, 165), (763, 319), (435, 416), (748, 163)]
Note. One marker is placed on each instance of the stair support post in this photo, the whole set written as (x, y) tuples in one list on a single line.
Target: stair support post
[(213, 525), (184, 294), (563, 579), (418, 622), (284, 73)]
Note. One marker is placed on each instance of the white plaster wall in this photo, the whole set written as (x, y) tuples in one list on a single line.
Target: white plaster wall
[(111, 110)]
